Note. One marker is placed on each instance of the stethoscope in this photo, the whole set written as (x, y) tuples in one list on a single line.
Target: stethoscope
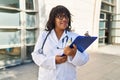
[(64, 41)]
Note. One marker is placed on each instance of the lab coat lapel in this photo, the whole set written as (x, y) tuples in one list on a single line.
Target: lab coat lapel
[(55, 37), (53, 34), (63, 35)]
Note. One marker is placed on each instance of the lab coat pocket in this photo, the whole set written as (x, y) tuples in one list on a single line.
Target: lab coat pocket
[(47, 74)]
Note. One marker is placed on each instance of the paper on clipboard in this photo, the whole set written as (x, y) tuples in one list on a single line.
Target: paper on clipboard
[(83, 42)]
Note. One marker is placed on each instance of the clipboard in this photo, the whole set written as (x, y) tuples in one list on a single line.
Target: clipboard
[(83, 42)]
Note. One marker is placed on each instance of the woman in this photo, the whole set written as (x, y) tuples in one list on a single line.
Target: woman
[(57, 61)]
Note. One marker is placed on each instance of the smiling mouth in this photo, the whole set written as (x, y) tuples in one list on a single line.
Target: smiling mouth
[(64, 23)]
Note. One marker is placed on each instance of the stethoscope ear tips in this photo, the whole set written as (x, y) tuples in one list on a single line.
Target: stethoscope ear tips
[(65, 39)]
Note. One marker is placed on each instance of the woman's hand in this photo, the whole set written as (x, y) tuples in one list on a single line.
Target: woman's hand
[(70, 51), (60, 59)]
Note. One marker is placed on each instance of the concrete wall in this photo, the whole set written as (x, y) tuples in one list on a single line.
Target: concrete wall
[(85, 14)]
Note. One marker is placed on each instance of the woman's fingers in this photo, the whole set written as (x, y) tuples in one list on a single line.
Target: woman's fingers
[(60, 59), (74, 46)]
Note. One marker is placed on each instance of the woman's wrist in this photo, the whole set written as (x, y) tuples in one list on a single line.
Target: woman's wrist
[(74, 53)]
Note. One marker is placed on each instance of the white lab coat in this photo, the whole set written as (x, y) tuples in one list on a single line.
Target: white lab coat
[(48, 70)]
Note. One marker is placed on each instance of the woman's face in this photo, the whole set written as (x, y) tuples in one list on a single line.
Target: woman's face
[(61, 21)]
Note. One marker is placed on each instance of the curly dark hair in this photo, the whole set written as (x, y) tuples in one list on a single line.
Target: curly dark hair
[(54, 12)]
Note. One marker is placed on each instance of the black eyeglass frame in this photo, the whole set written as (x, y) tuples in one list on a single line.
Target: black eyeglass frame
[(61, 16)]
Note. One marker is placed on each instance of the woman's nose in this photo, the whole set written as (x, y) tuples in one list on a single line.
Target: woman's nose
[(64, 18)]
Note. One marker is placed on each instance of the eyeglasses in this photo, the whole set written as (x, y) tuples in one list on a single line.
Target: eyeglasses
[(62, 16)]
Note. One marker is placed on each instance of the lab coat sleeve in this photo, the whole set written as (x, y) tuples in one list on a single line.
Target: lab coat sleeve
[(79, 59), (40, 59)]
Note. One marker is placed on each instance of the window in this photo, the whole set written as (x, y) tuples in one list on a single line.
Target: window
[(103, 16), (18, 30), (9, 18), (102, 33), (29, 4), (102, 24), (9, 37), (110, 1), (30, 36), (30, 18), (10, 3), (107, 7)]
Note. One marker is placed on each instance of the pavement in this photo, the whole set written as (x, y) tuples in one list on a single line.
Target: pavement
[(104, 64)]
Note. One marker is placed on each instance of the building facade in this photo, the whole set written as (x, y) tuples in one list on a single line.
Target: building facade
[(109, 24), (22, 20)]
